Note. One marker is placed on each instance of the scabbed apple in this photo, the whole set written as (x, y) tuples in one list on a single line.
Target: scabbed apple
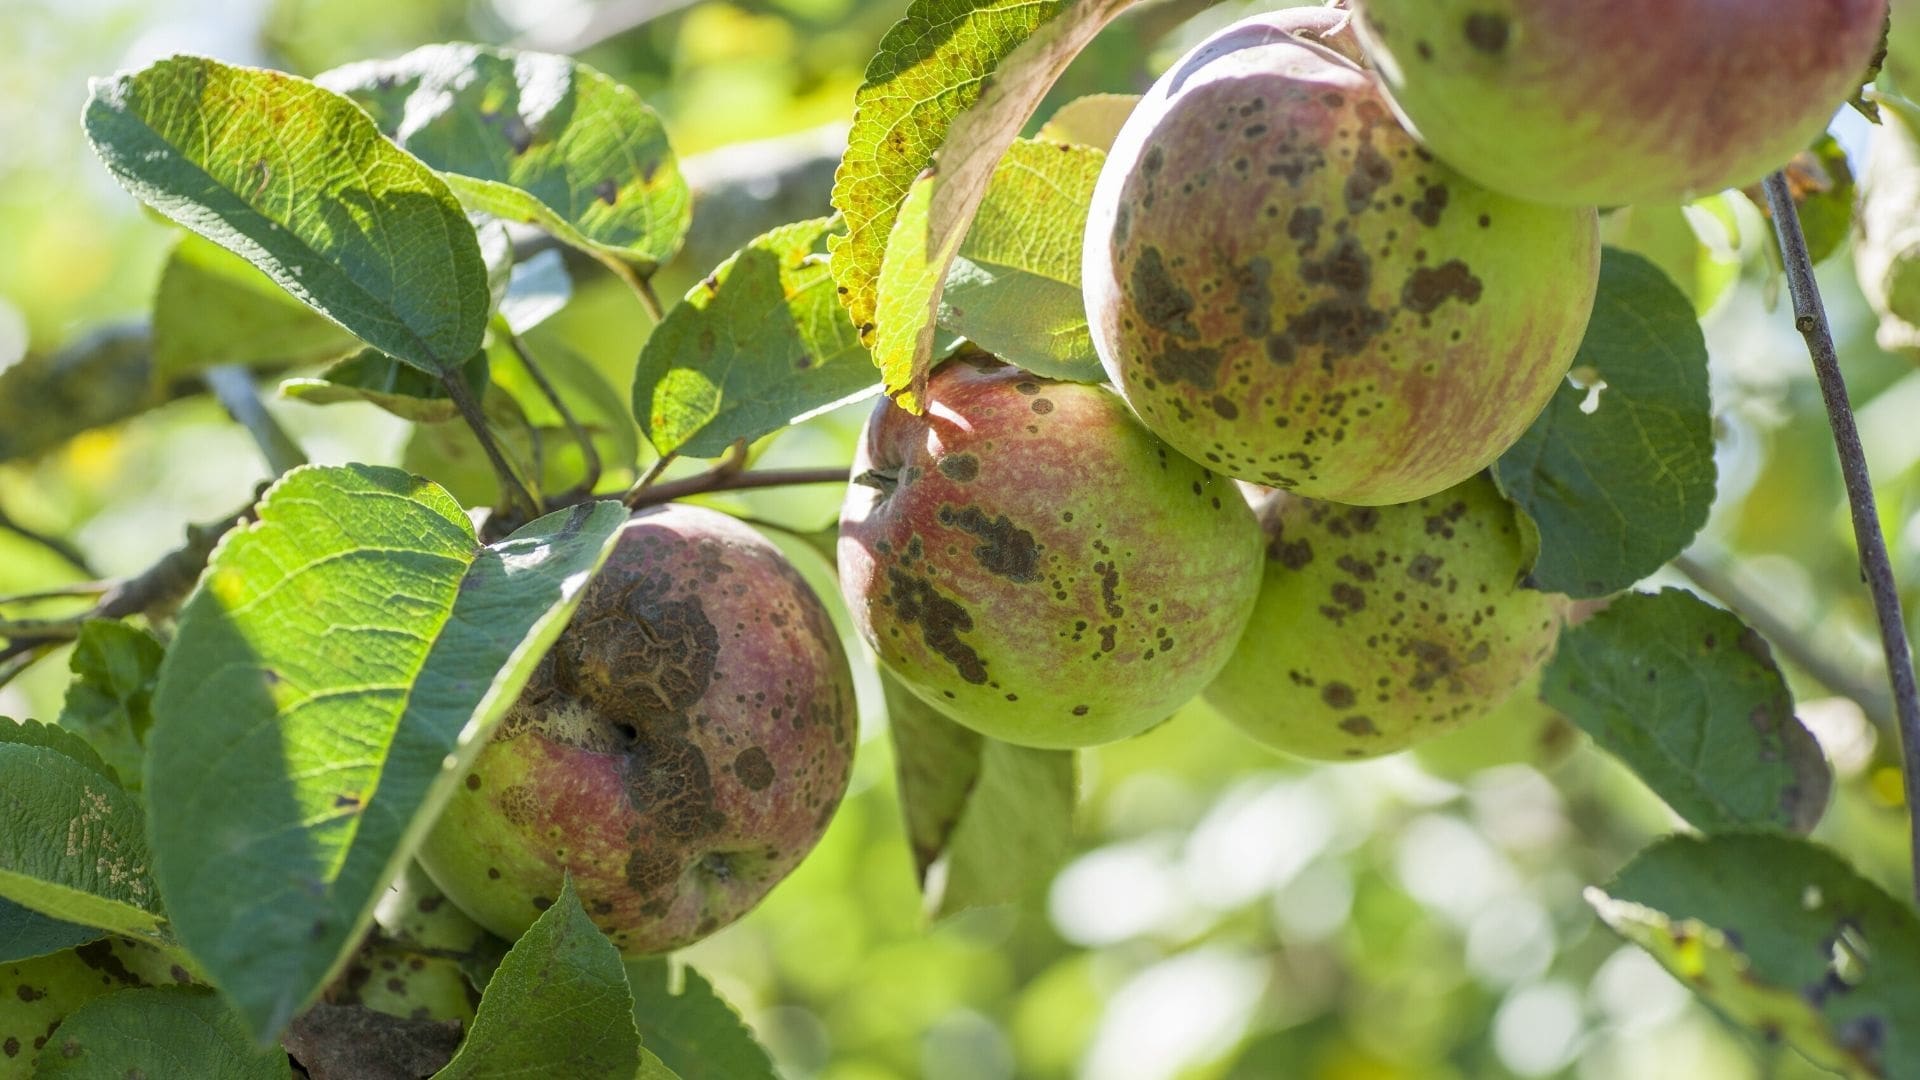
[(1380, 627), (1035, 564), (1579, 103), (1288, 289), (37, 994), (679, 750), (413, 969)]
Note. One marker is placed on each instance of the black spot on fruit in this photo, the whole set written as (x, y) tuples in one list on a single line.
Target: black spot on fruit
[(941, 622), (753, 768), (961, 467), (1160, 300), (1005, 549), (1337, 695), (1199, 368), (1429, 287), (1488, 31)]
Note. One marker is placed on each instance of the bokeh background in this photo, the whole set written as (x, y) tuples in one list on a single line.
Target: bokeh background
[(1225, 912)]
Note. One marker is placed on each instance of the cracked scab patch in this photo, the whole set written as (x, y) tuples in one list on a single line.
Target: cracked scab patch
[(940, 620), (1005, 550)]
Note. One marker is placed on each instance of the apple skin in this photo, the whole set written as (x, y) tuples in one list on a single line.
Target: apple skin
[(401, 976), (1580, 103), (37, 994), (1036, 565), (1380, 628), (1289, 290), (679, 750)]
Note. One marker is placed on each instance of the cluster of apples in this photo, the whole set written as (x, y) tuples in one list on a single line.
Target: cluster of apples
[(1345, 257), (1338, 262)]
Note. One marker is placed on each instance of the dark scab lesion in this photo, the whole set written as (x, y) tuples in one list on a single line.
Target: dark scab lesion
[(1430, 286), (941, 622), (1488, 32), (753, 768), (1005, 549), (1161, 301), (963, 468)]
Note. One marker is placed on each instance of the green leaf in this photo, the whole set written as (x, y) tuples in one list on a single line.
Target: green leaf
[(760, 344), (1690, 699), (534, 137), (1783, 937), (72, 842), (1618, 472), (110, 700), (1671, 238), (341, 663), (988, 821), (694, 1032), (299, 182), (214, 308), (54, 737), (401, 389), (953, 77), (557, 1006), (160, 1032), (1014, 290), (26, 933), (1825, 192), (1093, 121)]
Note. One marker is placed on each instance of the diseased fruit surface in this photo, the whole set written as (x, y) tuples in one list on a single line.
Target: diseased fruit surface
[(1378, 628), (679, 750), (1288, 289), (1035, 564), (36, 994), (402, 976), (1630, 101)]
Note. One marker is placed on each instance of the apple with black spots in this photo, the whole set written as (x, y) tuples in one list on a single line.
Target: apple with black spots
[(1036, 565), (1379, 628), (1290, 290), (678, 751), (1579, 103)]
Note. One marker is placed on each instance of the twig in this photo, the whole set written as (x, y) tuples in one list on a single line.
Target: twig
[(1793, 642), (154, 591), (729, 475), (57, 592), (654, 471), (72, 555), (462, 397), (1810, 317), (643, 287), (233, 385), (588, 452)]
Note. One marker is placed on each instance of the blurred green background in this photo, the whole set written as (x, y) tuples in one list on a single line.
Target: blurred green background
[(1226, 913)]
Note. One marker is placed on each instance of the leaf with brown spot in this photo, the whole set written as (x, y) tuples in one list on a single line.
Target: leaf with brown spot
[(1658, 681), (530, 136), (1780, 936), (956, 79)]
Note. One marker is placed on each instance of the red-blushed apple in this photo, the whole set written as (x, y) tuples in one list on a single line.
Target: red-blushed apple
[(1036, 565), (1579, 103), (1288, 289), (679, 750), (1381, 627)]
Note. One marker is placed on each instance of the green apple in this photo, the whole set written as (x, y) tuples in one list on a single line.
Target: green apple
[(1035, 564), (1583, 103), (1381, 627), (1288, 289)]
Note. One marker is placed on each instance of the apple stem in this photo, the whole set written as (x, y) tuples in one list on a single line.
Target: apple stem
[(1810, 317)]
